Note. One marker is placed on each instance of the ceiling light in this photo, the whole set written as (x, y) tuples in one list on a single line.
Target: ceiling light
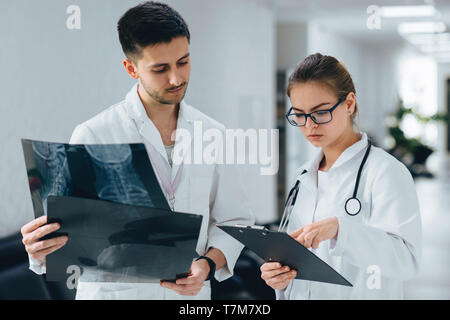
[(407, 11), (421, 27), (436, 48)]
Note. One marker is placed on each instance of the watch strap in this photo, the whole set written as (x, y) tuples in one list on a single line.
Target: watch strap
[(212, 266)]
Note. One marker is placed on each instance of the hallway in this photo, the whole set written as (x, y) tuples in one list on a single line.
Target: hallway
[(433, 281)]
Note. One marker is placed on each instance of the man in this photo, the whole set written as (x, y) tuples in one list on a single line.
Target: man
[(155, 40)]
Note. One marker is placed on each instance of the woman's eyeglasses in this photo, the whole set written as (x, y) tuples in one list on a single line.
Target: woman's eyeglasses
[(319, 117)]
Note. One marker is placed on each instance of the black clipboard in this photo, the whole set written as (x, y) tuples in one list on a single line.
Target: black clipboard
[(280, 247)]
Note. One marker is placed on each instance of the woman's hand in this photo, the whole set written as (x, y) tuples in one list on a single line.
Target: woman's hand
[(313, 234), (277, 276)]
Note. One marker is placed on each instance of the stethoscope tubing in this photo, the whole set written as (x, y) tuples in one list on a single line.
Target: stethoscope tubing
[(292, 196)]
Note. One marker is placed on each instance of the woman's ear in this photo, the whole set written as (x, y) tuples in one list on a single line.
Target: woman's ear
[(350, 103)]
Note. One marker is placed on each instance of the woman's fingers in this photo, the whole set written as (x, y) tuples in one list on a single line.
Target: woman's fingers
[(307, 238), (296, 233), (281, 281), (266, 275), (317, 240), (277, 276), (270, 266)]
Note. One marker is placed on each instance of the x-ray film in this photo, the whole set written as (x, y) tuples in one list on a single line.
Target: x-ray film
[(110, 204)]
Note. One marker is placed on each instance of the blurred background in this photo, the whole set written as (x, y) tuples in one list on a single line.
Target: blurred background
[(57, 71)]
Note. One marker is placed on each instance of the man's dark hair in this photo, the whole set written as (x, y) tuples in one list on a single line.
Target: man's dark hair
[(149, 23)]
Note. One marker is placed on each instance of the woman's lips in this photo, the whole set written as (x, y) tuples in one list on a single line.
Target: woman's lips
[(315, 136)]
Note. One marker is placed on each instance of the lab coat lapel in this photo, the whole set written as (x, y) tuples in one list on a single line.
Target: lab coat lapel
[(351, 151), (183, 149), (145, 126), (308, 186)]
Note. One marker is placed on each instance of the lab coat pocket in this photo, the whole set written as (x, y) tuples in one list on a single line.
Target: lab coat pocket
[(199, 204)]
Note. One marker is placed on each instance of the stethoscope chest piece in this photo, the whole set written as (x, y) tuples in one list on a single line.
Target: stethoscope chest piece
[(353, 206)]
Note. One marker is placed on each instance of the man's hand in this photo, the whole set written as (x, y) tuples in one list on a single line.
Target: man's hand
[(311, 235), (277, 276), (193, 283), (36, 229)]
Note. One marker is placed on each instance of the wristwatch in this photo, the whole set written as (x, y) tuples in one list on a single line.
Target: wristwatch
[(212, 266)]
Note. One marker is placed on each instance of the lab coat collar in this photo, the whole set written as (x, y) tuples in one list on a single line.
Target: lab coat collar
[(136, 110), (146, 127), (312, 166), (351, 151)]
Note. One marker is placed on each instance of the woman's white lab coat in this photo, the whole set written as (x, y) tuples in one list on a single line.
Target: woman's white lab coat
[(375, 250), (215, 191)]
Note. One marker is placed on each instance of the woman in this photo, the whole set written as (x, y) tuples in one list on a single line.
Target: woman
[(375, 246)]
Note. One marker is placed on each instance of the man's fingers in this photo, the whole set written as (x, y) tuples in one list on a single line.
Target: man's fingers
[(188, 280), (33, 225), (188, 293), (40, 255), (41, 245), (43, 231), (182, 288)]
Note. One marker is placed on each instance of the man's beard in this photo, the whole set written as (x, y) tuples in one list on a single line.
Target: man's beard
[(159, 97)]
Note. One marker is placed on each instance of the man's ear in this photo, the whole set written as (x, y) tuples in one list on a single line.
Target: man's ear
[(131, 69)]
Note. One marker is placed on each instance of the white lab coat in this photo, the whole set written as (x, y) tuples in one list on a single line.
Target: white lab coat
[(383, 239), (214, 191)]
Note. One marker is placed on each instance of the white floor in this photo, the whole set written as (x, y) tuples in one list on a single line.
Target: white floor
[(433, 282)]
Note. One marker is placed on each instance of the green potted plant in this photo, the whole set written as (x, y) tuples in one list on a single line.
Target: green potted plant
[(411, 151)]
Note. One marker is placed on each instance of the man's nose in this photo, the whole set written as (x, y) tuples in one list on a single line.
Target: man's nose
[(174, 79)]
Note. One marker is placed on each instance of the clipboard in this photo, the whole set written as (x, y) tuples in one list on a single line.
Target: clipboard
[(280, 247)]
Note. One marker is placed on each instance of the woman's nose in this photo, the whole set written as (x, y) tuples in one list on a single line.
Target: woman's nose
[(310, 123)]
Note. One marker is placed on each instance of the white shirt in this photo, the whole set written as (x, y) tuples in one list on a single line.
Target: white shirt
[(214, 191), (383, 239)]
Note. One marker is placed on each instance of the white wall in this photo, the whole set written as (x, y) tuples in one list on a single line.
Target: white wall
[(292, 47), (373, 69), (54, 78)]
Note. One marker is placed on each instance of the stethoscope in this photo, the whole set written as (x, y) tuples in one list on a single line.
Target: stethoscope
[(352, 205)]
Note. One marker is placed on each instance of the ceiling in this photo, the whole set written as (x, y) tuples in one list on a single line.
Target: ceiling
[(350, 17)]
